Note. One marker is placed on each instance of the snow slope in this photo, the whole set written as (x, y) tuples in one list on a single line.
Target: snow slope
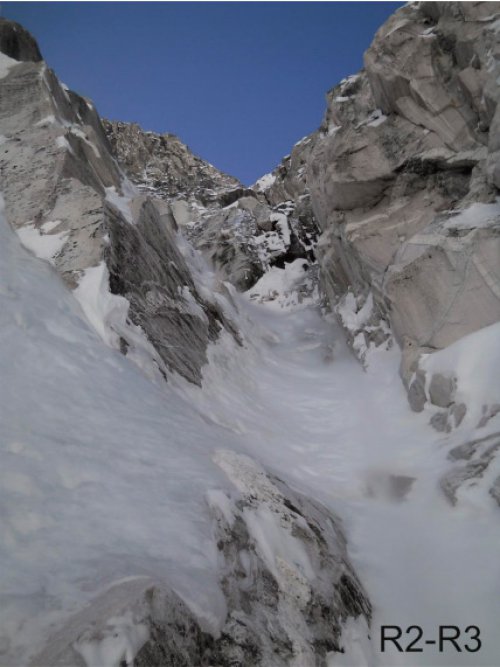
[(105, 474), (305, 407)]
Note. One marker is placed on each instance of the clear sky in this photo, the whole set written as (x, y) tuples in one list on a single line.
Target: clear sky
[(239, 82)]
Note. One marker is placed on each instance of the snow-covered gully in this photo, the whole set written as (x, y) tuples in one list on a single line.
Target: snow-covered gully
[(304, 406)]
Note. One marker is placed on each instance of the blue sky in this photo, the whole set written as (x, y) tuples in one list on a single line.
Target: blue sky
[(239, 82)]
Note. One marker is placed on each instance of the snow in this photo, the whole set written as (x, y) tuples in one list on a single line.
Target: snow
[(41, 241), (265, 182), (104, 473), (376, 118), (62, 142), (120, 202), (277, 288), (345, 436), (100, 306), (107, 475), (475, 362), (476, 216), (121, 640), (48, 120), (6, 64), (353, 317)]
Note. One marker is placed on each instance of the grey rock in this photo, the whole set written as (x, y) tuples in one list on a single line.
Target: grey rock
[(458, 411), (440, 422), (478, 455), (441, 390), (495, 490), (416, 392), (489, 411)]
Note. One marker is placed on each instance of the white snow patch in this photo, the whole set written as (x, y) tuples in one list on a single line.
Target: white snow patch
[(62, 142), (265, 182), (354, 318), (376, 118), (278, 288), (476, 216), (474, 361), (192, 306), (102, 309), (48, 120), (40, 241)]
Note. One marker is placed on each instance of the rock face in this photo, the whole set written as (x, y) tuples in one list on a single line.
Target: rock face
[(403, 181), (71, 204)]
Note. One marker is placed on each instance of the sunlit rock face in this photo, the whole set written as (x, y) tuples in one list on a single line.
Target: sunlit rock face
[(403, 182)]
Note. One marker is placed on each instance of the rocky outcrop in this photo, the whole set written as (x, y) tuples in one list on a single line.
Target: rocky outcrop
[(72, 205), (284, 572), (160, 164), (472, 460), (242, 232)]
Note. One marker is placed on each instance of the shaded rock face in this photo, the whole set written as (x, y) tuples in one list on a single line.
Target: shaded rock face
[(17, 43), (285, 575), (403, 179), (72, 205)]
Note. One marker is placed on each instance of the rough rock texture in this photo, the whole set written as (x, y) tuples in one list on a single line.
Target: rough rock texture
[(403, 179), (240, 231), (474, 459), (162, 165), (71, 204), (285, 574)]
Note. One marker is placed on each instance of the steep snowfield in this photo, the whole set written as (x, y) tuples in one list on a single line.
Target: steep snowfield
[(305, 407), (105, 474)]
